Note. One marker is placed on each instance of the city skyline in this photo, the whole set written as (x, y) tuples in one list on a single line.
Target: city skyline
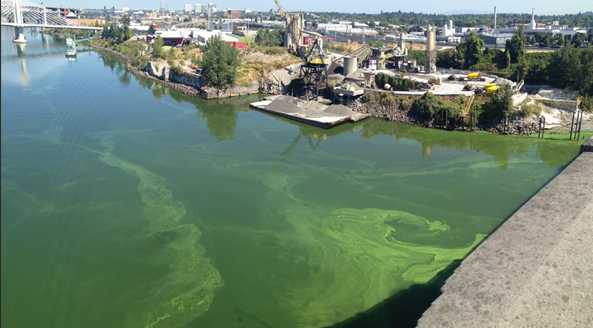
[(542, 7)]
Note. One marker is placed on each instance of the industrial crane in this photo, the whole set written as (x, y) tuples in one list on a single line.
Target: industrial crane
[(281, 10), (314, 67), (294, 35)]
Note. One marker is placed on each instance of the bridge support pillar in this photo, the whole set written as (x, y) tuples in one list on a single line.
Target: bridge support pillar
[(19, 35)]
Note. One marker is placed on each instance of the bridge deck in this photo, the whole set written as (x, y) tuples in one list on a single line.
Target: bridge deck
[(77, 27), (536, 270)]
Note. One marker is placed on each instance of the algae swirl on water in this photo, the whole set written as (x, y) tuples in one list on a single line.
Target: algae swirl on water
[(188, 289), (346, 259), (355, 261)]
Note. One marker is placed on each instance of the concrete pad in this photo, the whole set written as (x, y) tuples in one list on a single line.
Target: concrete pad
[(536, 270), (310, 112)]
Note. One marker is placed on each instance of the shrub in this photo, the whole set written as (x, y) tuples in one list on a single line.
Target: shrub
[(528, 110), (269, 38), (397, 83), (497, 107), (425, 107)]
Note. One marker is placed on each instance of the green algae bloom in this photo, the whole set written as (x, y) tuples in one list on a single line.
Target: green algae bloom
[(125, 204)]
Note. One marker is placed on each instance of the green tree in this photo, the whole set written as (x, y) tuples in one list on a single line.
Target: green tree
[(269, 38), (157, 46), (151, 30), (538, 72), (516, 47), (471, 50), (447, 59), (564, 68), (579, 40), (425, 107), (502, 59), (125, 33), (219, 64), (497, 107)]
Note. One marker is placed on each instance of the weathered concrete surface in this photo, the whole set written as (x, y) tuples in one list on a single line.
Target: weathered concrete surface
[(536, 270), (310, 112)]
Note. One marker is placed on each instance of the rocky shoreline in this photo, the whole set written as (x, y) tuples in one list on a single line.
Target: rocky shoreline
[(191, 84), (400, 111), (172, 79)]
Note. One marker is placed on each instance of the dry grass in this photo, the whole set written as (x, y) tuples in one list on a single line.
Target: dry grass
[(254, 63), (342, 47)]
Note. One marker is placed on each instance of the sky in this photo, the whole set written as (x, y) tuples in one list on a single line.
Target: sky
[(368, 6)]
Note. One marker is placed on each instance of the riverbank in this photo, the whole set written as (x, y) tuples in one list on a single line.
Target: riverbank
[(535, 270), (464, 113), (259, 69), (437, 111), (169, 79)]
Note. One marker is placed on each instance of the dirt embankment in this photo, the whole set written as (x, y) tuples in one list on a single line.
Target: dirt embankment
[(257, 68)]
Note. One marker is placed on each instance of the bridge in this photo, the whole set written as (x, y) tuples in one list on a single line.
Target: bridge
[(25, 15)]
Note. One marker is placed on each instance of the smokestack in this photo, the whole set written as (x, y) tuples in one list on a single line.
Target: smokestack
[(430, 66), (494, 18)]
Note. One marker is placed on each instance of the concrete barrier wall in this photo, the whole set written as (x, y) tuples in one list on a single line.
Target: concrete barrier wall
[(536, 270)]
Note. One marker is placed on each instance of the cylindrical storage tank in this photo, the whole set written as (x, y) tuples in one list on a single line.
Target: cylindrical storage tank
[(350, 65)]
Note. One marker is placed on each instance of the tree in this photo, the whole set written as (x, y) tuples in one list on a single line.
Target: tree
[(521, 70), (125, 32), (537, 72), (471, 50), (564, 68), (151, 30), (115, 33), (516, 47), (157, 46), (498, 106), (219, 64), (447, 59), (425, 107), (502, 59), (269, 38), (579, 39)]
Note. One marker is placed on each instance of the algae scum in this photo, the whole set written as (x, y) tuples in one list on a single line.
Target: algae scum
[(128, 205)]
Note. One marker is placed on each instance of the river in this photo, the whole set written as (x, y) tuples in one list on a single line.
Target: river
[(125, 204)]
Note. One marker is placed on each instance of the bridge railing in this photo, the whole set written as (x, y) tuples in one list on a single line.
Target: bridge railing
[(17, 13)]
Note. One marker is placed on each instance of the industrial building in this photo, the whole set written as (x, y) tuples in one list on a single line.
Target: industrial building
[(496, 39)]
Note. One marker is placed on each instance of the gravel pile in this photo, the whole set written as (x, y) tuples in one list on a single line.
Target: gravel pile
[(312, 109)]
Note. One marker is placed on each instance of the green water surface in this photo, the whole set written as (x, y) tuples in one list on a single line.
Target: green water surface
[(128, 205)]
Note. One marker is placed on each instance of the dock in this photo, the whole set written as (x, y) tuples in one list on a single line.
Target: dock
[(309, 112), (536, 269)]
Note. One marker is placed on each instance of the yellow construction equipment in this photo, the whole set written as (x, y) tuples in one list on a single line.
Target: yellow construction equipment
[(491, 88), (315, 54), (473, 76)]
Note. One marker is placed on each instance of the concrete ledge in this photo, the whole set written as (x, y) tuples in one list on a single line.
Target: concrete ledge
[(536, 270), (309, 112)]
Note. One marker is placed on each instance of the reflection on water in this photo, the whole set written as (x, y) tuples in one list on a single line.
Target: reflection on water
[(221, 118), (24, 76), (127, 204)]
